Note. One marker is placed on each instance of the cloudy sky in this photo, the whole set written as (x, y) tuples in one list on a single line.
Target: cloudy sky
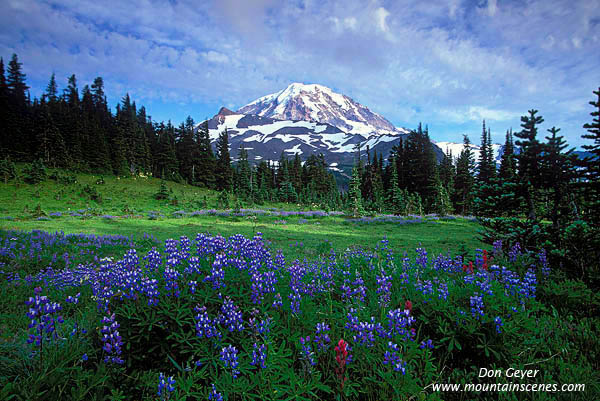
[(448, 64)]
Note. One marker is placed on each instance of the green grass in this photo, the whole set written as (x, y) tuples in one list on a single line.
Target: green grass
[(437, 237), (134, 197), (119, 196)]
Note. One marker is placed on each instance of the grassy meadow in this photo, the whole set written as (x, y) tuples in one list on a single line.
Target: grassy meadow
[(110, 294), (127, 204)]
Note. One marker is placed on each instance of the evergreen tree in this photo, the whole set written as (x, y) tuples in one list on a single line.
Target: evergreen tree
[(355, 197), (223, 172), (463, 185), (508, 169), (528, 160), (558, 174), (51, 90), (8, 171), (486, 168), (35, 172), (396, 198), (591, 164), (16, 82), (206, 158), (72, 92), (244, 174)]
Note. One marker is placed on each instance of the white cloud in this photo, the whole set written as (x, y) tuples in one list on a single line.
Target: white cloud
[(380, 18), (492, 7), (215, 57), (350, 23)]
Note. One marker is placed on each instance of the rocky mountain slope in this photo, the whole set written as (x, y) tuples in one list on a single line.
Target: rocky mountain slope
[(318, 103)]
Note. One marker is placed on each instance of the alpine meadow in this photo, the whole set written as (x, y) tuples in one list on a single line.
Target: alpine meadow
[(298, 245)]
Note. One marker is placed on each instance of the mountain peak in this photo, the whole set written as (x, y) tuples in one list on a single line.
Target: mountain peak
[(318, 103), (224, 111)]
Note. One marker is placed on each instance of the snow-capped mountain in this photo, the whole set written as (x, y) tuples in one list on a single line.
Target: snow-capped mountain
[(318, 103), (456, 148), (266, 138), (307, 120)]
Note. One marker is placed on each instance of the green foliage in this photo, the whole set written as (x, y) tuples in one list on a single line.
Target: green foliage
[(8, 170), (163, 192), (35, 172), (354, 194), (65, 179), (91, 193), (223, 200)]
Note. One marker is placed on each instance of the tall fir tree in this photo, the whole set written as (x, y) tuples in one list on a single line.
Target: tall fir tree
[(528, 161), (463, 184), (206, 158), (17, 87), (558, 175), (223, 172), (485, 168), (591, 163), (354, 194)]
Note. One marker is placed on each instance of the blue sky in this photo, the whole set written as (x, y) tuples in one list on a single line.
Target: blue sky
[(448, 64)]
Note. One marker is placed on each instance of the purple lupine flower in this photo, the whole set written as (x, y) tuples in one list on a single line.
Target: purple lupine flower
[(73, 300), (165, 383), (153, 260), (364, 333), (426, 344), (193, 266), (257, 288), (231, 316), (217, 274), (529, 284), (499, 324), (112, 340), (295, 299), (399, 324), (214, 395), (261, 328), (43, 316), (149, 287), (477, 306), (205, 326), (543, 258), (421, 258), (131, 259), (392, 358), (259, 356), (497, 252), (277, 302), (384, 288), (425, 287), (514, 252), (322, 336), (230, 359), (307, 352), (171, 277), (443, 291), (184, 247)]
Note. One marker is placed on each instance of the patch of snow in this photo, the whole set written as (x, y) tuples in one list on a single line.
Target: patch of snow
[(295, 150)]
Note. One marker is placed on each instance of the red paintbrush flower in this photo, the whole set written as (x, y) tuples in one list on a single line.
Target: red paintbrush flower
[(408, 305), (341, 353)]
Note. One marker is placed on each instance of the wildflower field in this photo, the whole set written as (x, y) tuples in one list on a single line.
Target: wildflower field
[(91, 317)]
